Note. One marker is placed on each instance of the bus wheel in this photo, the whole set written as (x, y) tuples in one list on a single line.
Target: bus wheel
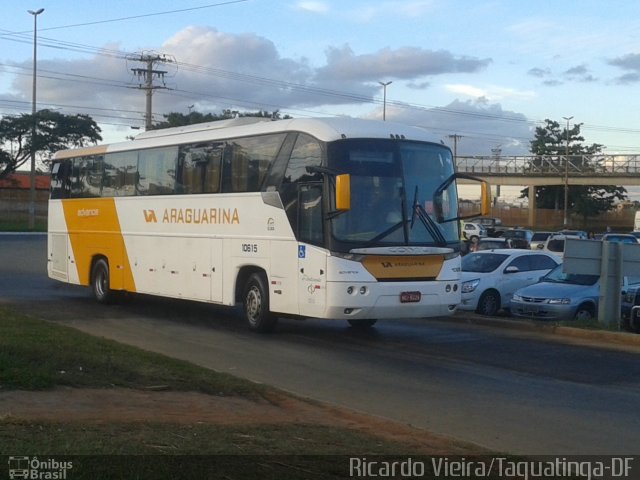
[(362, 323), (256, 305), (100, 281)]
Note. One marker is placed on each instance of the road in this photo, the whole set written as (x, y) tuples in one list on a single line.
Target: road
[(506, 390)]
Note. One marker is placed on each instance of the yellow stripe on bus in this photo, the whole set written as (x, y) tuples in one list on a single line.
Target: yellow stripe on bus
[(94, 230), (403, 267)]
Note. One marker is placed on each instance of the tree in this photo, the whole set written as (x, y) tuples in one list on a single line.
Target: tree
[(175, 119), (54, 131), (550, 142)]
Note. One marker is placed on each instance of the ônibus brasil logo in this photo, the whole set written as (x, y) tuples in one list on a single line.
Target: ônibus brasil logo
[(34, 468)]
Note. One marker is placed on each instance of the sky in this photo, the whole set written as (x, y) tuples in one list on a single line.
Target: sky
[(487, 71)]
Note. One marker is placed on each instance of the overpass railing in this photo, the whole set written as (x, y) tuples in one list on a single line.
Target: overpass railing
[(551, 165)]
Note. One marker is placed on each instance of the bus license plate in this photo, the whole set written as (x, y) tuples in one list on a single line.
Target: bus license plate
[(410, 297)]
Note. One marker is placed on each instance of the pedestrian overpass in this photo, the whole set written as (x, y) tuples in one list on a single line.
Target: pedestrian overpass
[(538, 170)]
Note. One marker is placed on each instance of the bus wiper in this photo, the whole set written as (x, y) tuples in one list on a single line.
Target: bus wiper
[(427, 221), (387, 232)]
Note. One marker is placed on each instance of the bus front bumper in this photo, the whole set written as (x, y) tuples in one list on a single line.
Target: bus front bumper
[(391, 300)]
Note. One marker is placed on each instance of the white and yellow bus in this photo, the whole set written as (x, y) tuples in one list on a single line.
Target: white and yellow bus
[(330, 218)]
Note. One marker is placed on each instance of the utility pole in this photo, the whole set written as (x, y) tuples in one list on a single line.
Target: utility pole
[(147, 74), (566, 177), (455, 137), (34, 126)]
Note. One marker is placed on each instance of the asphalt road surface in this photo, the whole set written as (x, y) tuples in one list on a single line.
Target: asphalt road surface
[(506, 390)]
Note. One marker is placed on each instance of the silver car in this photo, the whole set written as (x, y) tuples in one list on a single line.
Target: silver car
[(561, 296)]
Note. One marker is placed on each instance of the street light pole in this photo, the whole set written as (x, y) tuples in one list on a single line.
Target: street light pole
[(566, 176), (32, 178), (384, 101)]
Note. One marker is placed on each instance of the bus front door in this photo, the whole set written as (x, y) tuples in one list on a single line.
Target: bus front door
[(312, 260)]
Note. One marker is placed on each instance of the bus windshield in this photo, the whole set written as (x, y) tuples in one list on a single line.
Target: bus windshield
[(392, 188)]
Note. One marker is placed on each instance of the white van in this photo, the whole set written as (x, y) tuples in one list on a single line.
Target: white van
[(473, 231), (636, 222)]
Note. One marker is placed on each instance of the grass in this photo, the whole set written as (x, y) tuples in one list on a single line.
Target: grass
[(36, 355), (38, 438), (23, 225), (593, 324)]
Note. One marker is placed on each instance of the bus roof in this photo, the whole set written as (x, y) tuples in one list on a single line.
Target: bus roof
[(324, 129)]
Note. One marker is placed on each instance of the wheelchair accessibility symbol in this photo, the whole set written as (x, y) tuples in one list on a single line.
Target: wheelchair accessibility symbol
[(302, 251)]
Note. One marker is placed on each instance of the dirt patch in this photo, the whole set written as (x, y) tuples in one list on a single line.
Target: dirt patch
[(101, 406)]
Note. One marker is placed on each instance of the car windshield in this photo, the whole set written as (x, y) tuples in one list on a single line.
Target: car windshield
[(620, 239), (482, 262), (540, 236), (516, 234), (491, 244), (558, 276)]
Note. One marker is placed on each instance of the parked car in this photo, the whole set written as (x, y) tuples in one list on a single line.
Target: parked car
[(520, 237), (555, 244), (492, 225), (630, 311), (489, 278), (473, 231), (538, 238), (489, 243), (561, 296), (620, 238), (577, 233)]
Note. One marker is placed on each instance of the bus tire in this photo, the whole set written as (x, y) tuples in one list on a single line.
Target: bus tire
[(256, 305), (362, 323), (100, 281)]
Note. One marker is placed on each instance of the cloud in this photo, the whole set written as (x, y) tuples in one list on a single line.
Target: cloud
[(384, 10), (627, 62), (579, 73), (491, 93), (312, 6), (482, 126), (216, 70), (539, 72), (402, 63)]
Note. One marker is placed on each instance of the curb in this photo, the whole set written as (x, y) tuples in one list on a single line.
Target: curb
[(614, 338)]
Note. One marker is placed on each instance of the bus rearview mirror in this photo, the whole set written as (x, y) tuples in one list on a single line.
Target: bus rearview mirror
[(343, 192), (485, 200)]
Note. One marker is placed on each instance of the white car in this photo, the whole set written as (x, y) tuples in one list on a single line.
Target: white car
[(473, 231), (555, 244), (490, 277)]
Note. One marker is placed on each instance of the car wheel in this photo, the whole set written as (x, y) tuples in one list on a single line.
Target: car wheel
[(362, 324), (474, 239), (489, 303), (585, 313), (256, 305)]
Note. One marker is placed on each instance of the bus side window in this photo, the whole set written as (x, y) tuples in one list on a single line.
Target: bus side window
[(86, 176), (157, 171), (306, 153), (120, 174), (248, 162), (200, 167), (60, 181)]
